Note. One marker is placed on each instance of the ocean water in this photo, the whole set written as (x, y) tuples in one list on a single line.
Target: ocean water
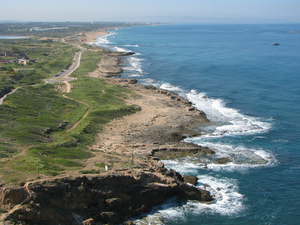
[(250, 90), (12, 37)]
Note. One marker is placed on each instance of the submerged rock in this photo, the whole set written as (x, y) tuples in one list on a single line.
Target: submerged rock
[(222, 161)]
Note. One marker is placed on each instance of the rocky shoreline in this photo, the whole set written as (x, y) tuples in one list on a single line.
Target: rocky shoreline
[(153, 133), (97, 199)]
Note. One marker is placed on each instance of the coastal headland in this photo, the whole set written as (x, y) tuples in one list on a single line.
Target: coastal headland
[(129, 148)]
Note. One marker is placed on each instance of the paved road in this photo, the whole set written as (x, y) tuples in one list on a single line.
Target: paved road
[(64, 75)]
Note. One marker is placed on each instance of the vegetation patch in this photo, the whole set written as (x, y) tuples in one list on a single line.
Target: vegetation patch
[(34, 135), (92, 171), (52, 151), (28, 61)]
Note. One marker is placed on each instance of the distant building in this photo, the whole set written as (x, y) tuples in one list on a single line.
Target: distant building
[(7, 54), (46, 29), (23, 61)]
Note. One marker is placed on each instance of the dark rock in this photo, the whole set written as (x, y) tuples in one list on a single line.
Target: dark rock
[(48, 131), (12, 196), (63, 125), (191, 109), (190, 179), (114, 203), (193, 193), (174, 174), (132, 81), (107, 198), (150, 87), (111, 217), (126, 53), (129, 81), (222, 161)]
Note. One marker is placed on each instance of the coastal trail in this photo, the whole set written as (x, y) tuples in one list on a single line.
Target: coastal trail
[(86, 113)]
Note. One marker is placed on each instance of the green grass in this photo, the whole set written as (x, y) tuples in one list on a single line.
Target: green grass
[(51, 58), (26, 114), (30, 111), (92, 171)]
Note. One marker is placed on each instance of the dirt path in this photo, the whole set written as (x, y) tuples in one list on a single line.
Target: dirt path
[(86, 113), (68, 86)]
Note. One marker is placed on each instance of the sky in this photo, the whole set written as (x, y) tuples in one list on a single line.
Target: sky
[(227, 11)]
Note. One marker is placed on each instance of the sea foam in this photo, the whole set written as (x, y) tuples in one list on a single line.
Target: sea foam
[(134, 65), (228, 202), (230, 121)]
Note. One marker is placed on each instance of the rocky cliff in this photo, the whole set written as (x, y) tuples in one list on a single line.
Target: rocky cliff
[(109, 198)]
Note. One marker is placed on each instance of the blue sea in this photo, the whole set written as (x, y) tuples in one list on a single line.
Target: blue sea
[(12, 37), (250, 91)]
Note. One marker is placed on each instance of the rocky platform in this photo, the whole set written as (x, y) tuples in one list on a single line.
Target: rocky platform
[(96, 199)]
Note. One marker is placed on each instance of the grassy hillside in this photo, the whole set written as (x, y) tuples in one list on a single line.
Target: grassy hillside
[(43, 61), (35, 119)]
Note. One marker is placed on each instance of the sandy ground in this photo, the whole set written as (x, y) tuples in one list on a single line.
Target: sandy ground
[(91, 36), (148, 129), (161, 115)]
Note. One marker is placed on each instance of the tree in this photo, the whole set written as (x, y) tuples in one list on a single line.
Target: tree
[(14, 49), (9, 69)]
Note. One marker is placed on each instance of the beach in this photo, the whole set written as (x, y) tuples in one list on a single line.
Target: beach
[(91, 36)]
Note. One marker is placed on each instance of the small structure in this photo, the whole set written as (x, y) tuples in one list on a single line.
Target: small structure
[(7, 54), (23, 61)]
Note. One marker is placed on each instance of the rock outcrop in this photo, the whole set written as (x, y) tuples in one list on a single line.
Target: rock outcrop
[(108, 198), (223, 160)]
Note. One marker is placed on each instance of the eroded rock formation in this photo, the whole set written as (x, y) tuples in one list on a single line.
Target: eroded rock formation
[(109, 198)]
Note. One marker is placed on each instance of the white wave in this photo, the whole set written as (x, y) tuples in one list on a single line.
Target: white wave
[(101, 40), (104, 39), (135, 65), (225, 190), (228, 201), (230, 121), (118, 49), (170, 87), (225, 121), (242, 158), (150, 82), (280, 141), (135, 75), (132, 45)]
